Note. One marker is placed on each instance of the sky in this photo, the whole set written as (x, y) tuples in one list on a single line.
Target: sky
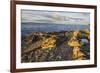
[(56, 17)]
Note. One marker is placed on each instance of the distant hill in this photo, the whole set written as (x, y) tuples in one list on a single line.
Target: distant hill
[(29, 27)]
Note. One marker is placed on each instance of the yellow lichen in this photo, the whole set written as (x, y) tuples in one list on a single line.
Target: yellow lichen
[(87, 33), (73, 42), (48, 43)]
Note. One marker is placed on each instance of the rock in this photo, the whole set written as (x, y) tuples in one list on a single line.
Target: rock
[(54, 46)]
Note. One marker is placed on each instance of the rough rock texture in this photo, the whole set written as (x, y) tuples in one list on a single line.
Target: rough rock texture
[(53, 46)]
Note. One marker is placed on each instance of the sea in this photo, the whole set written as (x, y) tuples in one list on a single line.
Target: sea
[(29, 27)]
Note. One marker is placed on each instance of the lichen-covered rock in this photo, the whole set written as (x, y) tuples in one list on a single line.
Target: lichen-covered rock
[(55, 46)]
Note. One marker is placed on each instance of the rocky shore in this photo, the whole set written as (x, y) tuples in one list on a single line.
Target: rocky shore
[(55, 46)]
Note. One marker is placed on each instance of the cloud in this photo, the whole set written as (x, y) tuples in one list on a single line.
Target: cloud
[(60, 17)]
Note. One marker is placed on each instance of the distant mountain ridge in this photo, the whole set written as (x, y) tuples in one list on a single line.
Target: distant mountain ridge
[(27, 28)]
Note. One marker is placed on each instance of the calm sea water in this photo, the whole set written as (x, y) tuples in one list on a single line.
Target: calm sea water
[(27, 28)]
